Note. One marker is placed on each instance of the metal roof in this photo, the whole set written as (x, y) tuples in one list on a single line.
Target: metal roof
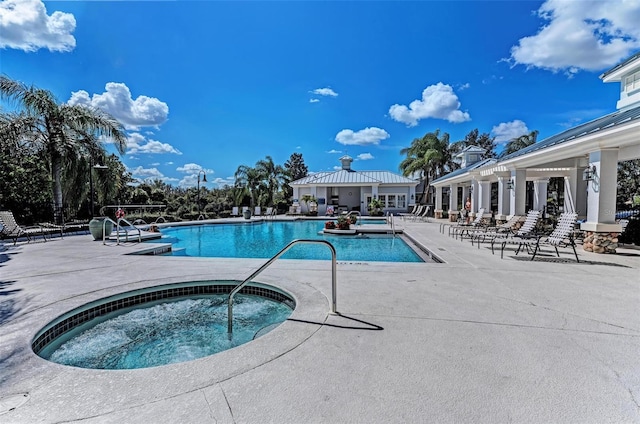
[(343, 177), (608, 121), (465, 170), (620, 65)]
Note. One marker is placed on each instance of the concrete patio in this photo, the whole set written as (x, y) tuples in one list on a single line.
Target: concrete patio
[(477, 339)]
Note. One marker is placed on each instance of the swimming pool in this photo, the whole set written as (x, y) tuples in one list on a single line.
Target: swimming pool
[(264, 239)]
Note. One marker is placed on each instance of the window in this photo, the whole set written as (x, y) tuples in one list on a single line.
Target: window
[(632, 83)]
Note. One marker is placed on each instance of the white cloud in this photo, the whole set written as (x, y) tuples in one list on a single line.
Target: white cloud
[(144, 173), (314, 100), (325, 92), (506, 131), (193, 168), (222, 182), (117, 101), (438, 101), (25, 25), (581, 35), (464, 86), (364, 156), (371, 135), (137, 143), (334, 151)]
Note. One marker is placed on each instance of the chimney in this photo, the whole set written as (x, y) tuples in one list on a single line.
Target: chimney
[(346, 162)]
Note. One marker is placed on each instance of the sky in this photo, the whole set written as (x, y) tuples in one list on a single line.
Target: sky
[(212, 85)]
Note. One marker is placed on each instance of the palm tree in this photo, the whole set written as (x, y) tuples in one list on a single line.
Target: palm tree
[(430, 157), (63, 132), (273, 176), (251, 180), (518, 143)]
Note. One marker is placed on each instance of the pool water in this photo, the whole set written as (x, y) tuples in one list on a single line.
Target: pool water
[(265, 239), (166, 332)]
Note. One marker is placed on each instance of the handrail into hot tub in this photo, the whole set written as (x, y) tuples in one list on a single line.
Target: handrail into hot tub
[(270, 261)]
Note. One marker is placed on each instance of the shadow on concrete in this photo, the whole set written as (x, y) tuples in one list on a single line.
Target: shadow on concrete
[(9, 306), (554, 259), (369, 326)]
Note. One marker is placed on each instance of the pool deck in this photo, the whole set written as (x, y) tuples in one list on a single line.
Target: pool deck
[(477, 339)]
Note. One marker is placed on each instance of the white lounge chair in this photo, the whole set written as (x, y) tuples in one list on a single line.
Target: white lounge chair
[(234, 211), (562, 236), (257, 211), (527, 230), (11, 229)]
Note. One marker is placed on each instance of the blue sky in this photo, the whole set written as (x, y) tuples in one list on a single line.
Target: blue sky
[(213, 85)]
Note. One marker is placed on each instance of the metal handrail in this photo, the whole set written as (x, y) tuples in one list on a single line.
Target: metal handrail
[(127, 233), (359, 221), (393, 226), (104, 228), (270, 261)]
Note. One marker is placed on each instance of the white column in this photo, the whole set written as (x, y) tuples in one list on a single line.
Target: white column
[(453, 197), (439, 198), (465, 195), (540, 194), (484, 195), (517, 199), (601, 193), (575, 191), (503, 198), (475, 193)]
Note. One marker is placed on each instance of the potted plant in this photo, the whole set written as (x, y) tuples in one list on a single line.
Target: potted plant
[(344, 223), (330, 225), (311, 202), (96, 226), (247, 214), (375, 206)]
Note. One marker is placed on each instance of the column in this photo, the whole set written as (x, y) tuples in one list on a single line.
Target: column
[(438, 210), (575, 193), (453, 202), (484, 195), (601, 191), (475, 193), (517, 199), (540, 194), (503, 198)]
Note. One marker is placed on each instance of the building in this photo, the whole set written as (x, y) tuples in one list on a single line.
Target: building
[(585, 158), (351, 190)]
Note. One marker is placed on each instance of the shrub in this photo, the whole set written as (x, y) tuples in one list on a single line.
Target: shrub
[(632, 233)]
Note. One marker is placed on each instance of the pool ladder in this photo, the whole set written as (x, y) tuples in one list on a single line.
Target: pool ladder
[(117, 228), (270, 261)]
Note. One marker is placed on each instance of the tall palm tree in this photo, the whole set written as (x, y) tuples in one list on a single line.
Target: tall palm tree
[(251, 180), (60, 130), (273, 176), (430, 157), (521, 142)]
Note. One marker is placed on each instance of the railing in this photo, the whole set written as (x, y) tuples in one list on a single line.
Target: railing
[(392, 224), (359, 221), (117, 227), (270, 261)]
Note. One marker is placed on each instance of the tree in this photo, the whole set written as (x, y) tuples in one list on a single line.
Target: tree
[(273, 177), (295, 169), (628, 183), (484, 141), (519, 143), (63, 132), (430, 157), (250, 179)]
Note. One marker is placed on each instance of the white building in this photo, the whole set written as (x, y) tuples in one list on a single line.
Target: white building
[(586, 157), (351, 190)]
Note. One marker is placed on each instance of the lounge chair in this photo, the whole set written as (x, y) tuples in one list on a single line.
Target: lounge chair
[(11, 229), (527, 230), (424, 215), (418, 212), (461, 229), (234, 211), (410, 213), (257, 211), (561, 236), (270, 212), (506, 228)]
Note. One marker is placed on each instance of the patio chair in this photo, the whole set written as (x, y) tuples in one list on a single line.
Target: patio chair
[(11, 229), (561, 236), (506, 228), (234, 211), (527, 230), (411, 212), (257, 211), (460, 229), (424, 216), (419, 211)]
